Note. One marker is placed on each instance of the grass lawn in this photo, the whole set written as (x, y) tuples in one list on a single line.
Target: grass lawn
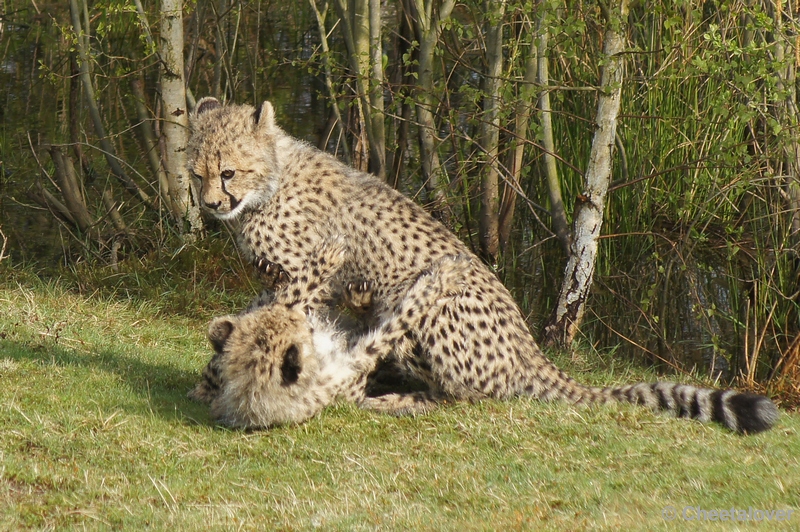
[(96, 432)]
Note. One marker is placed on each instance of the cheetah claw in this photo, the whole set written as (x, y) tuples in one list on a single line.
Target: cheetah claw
[(358, 295), (272, 272)]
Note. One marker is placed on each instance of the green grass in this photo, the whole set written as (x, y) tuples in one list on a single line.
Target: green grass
[(96, 432)]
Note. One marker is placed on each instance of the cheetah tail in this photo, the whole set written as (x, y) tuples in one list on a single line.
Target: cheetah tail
[(741, 412)]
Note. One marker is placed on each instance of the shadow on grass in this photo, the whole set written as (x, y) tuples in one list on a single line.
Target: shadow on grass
[(163, 386)]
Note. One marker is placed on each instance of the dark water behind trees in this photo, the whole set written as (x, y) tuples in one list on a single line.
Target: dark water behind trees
[(698, 260)]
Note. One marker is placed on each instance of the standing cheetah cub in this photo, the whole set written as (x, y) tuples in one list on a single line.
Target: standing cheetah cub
[(285, 361), (288, 196)]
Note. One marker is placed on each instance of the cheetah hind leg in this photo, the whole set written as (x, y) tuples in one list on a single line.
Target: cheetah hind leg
[(432, 289), (403, 404)]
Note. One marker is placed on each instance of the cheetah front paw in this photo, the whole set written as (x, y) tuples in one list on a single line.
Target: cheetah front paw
[(271, 273), (358, 296)]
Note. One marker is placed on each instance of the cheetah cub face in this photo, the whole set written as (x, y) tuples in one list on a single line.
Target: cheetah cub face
[(232, 156), (273, 367)]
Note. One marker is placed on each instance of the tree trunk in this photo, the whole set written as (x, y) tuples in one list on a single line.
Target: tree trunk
[(488, 221), (220, 47), (566, 318), (71, 190), (358, 19), (557, 211), (526, 94), (112, 208), (377, 152), (176, 117), (788, 117), (150, 146), (323, 37), (403, 52), (355, 22), (75, 91), (3, 255), (429, 27)]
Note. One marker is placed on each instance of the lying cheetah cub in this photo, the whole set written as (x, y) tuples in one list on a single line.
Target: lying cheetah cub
[(288, 196), (285, 361), (285, 301)]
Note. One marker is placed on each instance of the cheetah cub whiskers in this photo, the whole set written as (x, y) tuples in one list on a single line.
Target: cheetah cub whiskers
[(285, 361), (288, 196)]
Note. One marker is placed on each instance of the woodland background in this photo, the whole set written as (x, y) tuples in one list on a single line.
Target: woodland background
[(485, 112)]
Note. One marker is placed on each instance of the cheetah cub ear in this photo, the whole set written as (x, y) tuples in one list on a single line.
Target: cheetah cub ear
[(264, 118), (219, 331), (205, 105)]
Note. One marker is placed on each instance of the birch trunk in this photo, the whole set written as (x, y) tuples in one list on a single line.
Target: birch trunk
[(323, 38), (71, 190), (557, 211), (788, 117), (378, 152), (566, 318), (357, 33), (175, 128), (429, 27), (523, 107), (358, 17), (150, 145), (489, 222)]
